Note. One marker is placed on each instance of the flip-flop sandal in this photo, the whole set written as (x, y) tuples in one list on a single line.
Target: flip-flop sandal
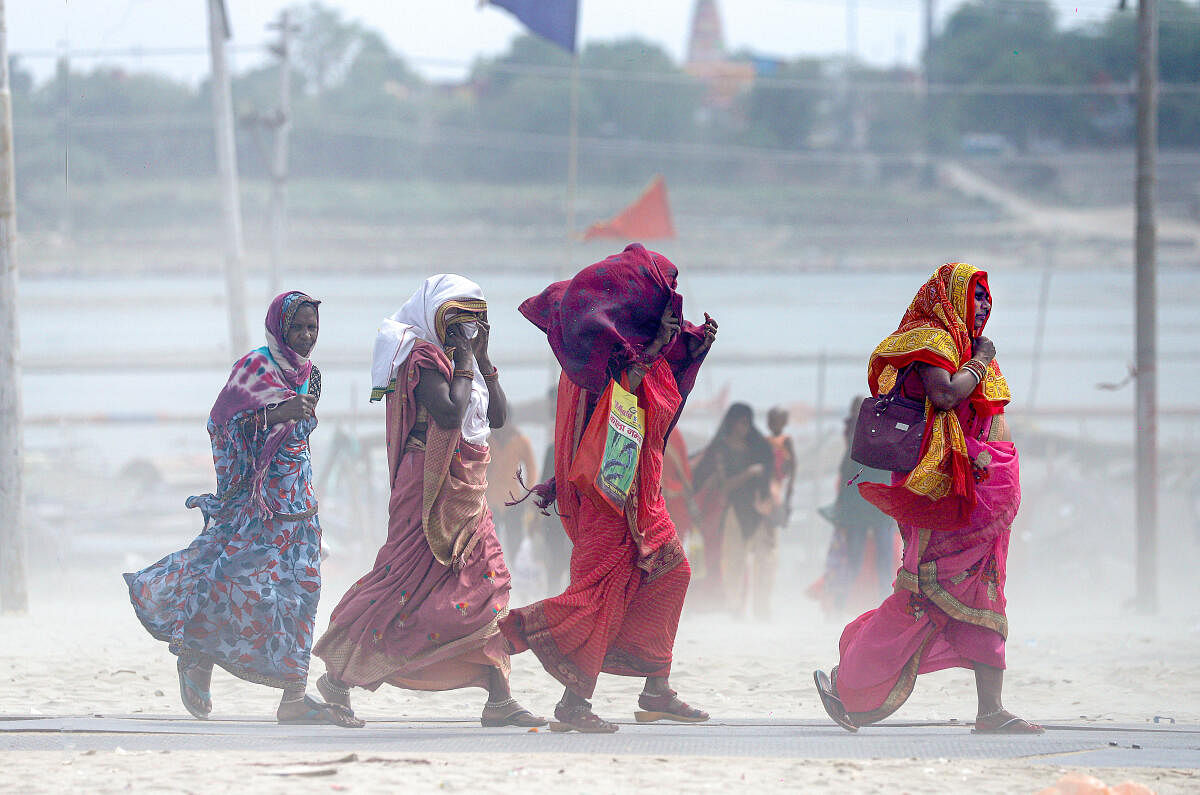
[(195, 700), (1013, 725), (519, 716), (580, 718), (667, 706), (320, 713), (833, 705)]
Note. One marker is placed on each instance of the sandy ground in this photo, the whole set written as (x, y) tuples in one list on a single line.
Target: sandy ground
[(124, 771), (80, 651)]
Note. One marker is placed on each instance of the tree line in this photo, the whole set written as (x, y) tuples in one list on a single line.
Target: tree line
[(1008, 74)]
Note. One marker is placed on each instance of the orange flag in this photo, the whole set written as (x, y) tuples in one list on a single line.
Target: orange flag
[(648, 217)]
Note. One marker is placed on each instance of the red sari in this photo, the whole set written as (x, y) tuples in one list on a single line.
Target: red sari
[(629, 575)]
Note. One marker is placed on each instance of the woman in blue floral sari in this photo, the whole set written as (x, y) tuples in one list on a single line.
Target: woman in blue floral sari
[(244, 594)]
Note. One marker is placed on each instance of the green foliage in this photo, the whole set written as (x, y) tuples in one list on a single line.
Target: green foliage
[(359, 110), (1178, 62), (638, 92), (783, 115)]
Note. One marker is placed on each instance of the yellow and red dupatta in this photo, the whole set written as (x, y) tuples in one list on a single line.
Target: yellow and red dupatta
[(940, 492)]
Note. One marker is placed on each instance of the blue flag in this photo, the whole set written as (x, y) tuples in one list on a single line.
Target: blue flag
[(553, 20)]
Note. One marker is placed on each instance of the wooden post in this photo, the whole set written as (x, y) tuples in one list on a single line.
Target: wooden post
[(928, 172), (14, 597), (231, 206), (1146, 408), (573, 149), (279, 161)]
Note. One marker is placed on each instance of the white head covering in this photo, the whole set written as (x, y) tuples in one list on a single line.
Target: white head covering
[(423, 318)]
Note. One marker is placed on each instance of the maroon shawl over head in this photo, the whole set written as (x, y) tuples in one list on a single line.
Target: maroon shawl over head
[(608, 313)]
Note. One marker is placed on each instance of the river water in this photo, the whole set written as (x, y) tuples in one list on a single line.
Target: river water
[(774, 329)]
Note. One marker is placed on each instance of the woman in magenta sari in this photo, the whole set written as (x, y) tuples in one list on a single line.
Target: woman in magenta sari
[(425, 616), (955, 510), (628, 574)]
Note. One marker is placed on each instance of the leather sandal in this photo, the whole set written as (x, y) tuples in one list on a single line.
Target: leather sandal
[(579, 718), (319, 713), (1004, 722), (666, 706)]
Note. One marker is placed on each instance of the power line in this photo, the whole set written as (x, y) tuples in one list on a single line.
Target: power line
[(551, 143), (819, 84)]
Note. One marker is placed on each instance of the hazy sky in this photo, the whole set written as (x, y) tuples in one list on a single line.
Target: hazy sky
[(453, 32)]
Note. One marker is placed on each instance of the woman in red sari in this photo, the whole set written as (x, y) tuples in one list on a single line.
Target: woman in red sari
[(628, 576), (955, 510)]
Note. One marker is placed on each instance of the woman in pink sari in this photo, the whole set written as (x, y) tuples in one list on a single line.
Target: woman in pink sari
[(620, 317), (425, 617), (954, 510)]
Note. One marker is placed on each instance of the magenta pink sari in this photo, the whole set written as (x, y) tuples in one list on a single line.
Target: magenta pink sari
[(948, 607)]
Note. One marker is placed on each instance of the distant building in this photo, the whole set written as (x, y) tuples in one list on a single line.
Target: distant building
[(708, 62)]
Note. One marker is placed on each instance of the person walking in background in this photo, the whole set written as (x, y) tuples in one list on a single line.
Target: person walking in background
[(621, 320), (733, 485), (425, 616), (861, 562), (955, 510), (783, 476), (244, 594)]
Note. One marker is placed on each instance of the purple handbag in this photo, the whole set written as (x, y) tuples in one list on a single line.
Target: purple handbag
[(889, 430)]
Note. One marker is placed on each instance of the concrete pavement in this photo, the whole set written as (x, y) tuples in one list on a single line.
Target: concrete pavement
[(1078, 742)]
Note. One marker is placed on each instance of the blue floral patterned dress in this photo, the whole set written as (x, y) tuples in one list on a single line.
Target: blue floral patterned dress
[(244, 594)]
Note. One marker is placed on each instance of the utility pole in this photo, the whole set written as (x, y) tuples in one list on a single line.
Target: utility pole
[(930, 11), (235, 287), (928, 176), (851, 30), (1146, 404), (14, 597), (62, 70), (282, 124)]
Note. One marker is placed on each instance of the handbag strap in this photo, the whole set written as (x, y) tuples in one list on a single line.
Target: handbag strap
[(901, 375)]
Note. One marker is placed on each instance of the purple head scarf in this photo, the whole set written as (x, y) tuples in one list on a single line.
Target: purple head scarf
[(266, 376), (270, 374), (608, 313)]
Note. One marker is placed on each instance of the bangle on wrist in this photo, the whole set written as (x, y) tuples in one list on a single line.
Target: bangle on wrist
[(975, 368), (490, 375), (462, 372)]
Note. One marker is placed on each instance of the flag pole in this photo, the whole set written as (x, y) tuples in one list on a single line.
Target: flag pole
[(573, 150)]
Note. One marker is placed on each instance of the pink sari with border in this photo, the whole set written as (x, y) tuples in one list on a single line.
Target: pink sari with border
[(948, 608), (426, 616)]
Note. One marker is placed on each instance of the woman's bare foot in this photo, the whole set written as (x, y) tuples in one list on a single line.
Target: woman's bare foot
[(334, 692), (508, 713)]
